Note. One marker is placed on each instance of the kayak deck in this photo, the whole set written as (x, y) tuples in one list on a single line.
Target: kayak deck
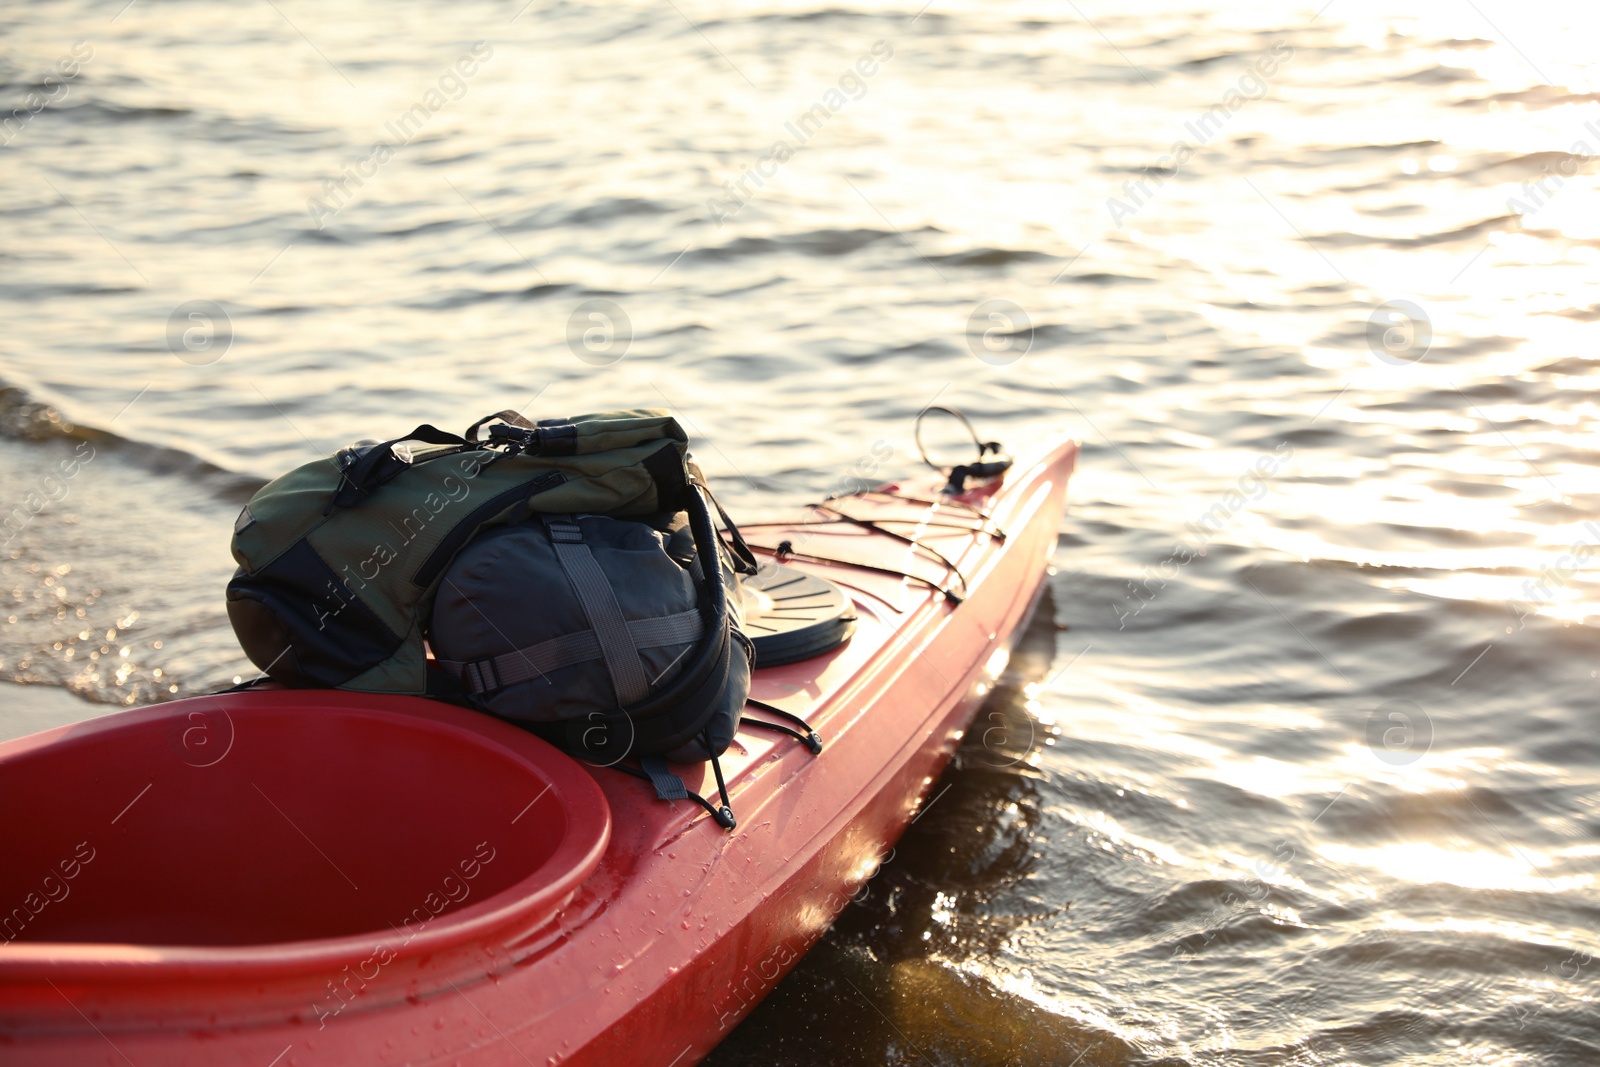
[(683, 927)]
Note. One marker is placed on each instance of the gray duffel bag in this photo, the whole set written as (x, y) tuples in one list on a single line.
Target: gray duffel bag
[(604, 636)]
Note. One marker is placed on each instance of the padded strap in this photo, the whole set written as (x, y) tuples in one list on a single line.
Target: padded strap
[(599, 603), (546, 657)]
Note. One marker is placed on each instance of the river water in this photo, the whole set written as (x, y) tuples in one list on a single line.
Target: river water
[(1298, 764)]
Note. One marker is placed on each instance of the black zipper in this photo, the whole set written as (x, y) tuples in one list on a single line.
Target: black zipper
[(462, 532)]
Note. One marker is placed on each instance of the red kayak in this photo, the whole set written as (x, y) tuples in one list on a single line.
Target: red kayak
[(292, 878)]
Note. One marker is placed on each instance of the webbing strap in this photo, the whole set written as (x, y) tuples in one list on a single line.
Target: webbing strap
[(668, 785), (532, 661), (599, 603), (679, 629), (546, 657)]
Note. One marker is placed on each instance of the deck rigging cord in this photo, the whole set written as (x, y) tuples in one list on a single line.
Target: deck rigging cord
[(669, 786), (875, 525), (957, 475), (895, 494)]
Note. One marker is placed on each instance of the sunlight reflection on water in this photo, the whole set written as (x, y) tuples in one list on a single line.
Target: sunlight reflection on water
[(1334, 372)]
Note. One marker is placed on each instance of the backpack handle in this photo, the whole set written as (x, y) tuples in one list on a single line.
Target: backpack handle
[(363, 470), (547, 437), (500, 416)]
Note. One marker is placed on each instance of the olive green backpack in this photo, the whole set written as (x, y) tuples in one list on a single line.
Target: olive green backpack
[(339, 559)]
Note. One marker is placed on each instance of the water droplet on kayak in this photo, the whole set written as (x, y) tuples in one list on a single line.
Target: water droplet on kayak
[(686, 924)]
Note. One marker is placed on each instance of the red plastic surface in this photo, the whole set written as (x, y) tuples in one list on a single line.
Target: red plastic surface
[(682, 928), (259, 852)]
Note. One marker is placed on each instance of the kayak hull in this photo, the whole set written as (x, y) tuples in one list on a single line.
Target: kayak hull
[(683, 928)]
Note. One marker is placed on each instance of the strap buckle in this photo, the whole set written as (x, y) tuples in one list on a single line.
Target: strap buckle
[(480, 676), (564, 529)]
